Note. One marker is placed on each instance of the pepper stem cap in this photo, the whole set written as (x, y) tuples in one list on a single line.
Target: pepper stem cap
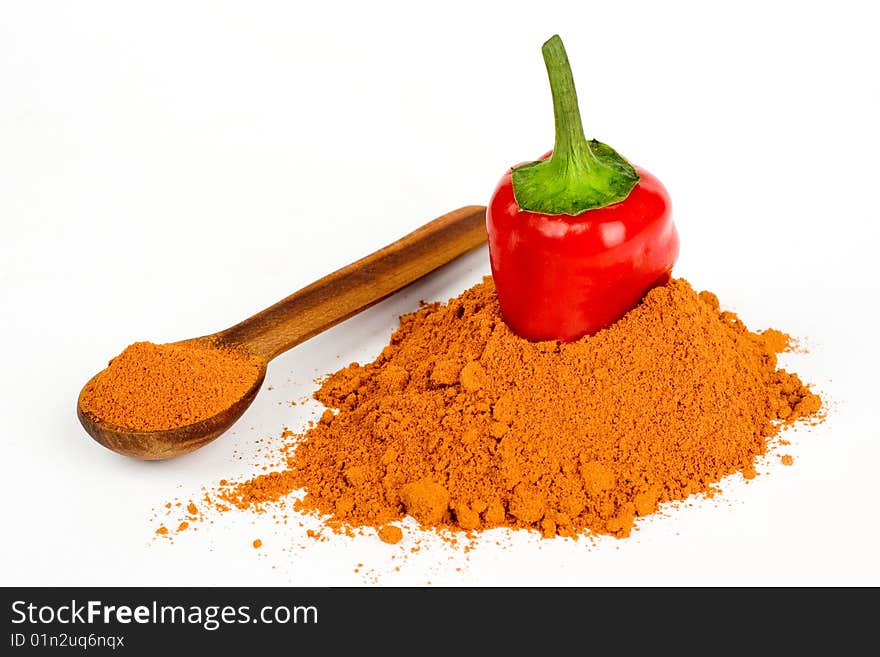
[(580, 174)]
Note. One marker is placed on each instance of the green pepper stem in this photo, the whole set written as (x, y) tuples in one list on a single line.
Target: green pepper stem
[(580, 175), (570, 139)]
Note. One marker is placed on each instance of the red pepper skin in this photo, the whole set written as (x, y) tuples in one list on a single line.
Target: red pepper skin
[(559, 277)]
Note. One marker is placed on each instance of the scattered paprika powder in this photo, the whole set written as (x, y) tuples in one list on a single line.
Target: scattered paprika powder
[(152, 387), (464, 425), (390, 534)]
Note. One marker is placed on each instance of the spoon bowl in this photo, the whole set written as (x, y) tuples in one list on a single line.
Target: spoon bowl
[(166, 443), (297, 318)]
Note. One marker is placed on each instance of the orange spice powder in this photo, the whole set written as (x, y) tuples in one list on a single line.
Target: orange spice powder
[(465, 426), (152, 387), (390, 534)]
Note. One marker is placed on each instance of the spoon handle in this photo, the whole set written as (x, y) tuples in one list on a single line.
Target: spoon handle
[(349, 290)]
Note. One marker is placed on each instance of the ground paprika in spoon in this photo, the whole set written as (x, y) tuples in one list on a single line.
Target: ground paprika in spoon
[(578, 237)]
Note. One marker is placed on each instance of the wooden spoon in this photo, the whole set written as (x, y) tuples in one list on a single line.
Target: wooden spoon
[(300, 316)]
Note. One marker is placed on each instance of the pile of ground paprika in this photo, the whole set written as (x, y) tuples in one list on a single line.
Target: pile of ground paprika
[(153, 387), (463, 425)]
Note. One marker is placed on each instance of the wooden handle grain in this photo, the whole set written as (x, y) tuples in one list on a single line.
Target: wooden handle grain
[(349, 290)]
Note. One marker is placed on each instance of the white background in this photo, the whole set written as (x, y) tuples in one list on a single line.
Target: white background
[(167, 169)]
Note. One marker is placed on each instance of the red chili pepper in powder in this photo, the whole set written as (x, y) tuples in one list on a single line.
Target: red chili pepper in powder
[(578, 237)]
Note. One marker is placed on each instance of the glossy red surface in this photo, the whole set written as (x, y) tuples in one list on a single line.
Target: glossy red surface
[(560, 277)]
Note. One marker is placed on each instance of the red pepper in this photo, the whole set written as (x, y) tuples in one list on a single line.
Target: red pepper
[(578, 237)]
